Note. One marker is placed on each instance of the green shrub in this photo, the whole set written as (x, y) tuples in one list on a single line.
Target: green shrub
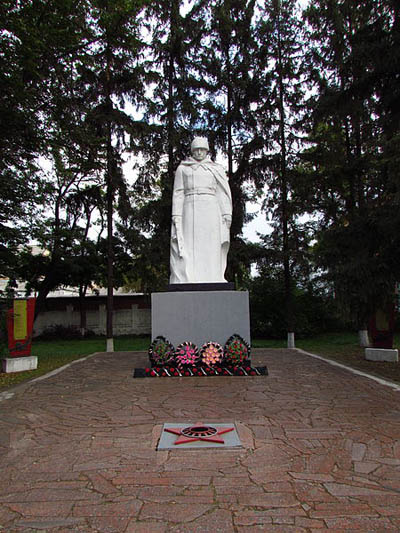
[(59, 331), (313, 313)]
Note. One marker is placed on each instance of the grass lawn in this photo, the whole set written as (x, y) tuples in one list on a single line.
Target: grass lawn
[(344, 349), (341, 347)]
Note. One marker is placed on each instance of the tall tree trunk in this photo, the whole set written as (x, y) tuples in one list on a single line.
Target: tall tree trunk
[(110, 202), (49, 281), (110, 249), (82, 310), (46, 286), (170, 121), (229, 124), (284, 195), (173, 21)]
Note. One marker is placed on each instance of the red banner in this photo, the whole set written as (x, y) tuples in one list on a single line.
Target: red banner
[(20, 326)]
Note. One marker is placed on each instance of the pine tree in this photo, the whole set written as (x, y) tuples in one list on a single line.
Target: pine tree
[(115, 27), (354, 186), (171, 114), (231, 94), (281, 105)]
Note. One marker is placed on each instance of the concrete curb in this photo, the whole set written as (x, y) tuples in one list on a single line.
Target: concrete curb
[(381, 381)]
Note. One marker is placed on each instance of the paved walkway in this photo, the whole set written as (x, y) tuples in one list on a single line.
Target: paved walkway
[(321, 451)]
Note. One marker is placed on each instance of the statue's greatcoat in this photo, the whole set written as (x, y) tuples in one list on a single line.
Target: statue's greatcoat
[(200, 233)]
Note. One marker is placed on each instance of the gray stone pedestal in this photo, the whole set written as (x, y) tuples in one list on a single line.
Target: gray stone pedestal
[(382, 354), (19, 364), (200, 316)]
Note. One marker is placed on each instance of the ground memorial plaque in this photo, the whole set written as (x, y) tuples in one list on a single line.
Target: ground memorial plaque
[(199, 435)]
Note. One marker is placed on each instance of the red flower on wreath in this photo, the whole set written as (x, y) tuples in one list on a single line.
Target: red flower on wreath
[(236, 350)]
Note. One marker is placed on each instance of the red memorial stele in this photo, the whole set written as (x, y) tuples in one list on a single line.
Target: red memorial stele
[(198, 432), (20, 320)]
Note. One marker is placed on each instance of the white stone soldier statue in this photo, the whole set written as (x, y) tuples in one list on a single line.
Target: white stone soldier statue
[(201, 219)]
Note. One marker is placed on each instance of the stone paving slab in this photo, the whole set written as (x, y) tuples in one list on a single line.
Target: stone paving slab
[(321, 451)]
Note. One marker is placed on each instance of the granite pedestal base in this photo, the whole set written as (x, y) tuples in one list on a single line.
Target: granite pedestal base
[(381, 354), (200, 316), (19, 364), (187, 287)]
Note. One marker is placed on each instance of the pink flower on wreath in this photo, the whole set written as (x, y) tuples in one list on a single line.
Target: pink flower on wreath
[(186, 354)]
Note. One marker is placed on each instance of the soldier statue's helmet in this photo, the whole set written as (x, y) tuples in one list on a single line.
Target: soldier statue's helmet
[(199, 142)]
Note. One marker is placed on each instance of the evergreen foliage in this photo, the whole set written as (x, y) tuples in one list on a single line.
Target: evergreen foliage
[(280, 112), (305, 110), (355, 187)]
